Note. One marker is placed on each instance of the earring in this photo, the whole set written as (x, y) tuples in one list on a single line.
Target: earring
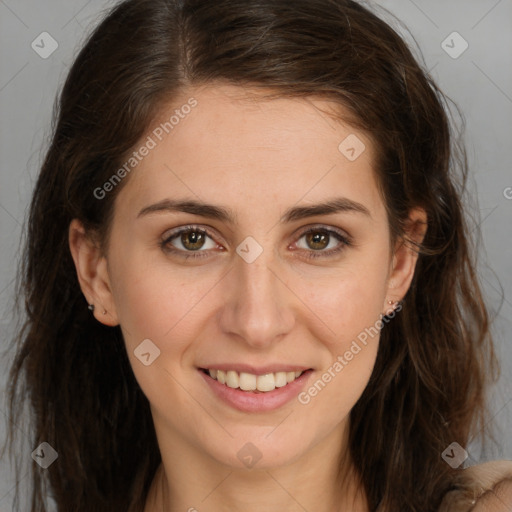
[(90, 307), (393, 304)]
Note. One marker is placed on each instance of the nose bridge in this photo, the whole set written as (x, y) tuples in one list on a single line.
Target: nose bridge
[(259, 310), (257, 281)]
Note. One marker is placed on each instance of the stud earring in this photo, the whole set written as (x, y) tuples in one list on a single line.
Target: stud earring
[(90, 307), (394, 304)]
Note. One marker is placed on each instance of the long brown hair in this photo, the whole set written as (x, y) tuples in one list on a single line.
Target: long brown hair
[(427, 387)]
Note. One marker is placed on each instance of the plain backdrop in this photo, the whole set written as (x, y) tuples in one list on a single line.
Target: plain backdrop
[(473, 67)]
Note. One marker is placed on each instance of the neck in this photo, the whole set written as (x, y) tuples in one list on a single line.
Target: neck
[(317, 481)]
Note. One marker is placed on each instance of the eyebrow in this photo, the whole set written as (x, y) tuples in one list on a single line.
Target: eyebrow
[(335, 205)]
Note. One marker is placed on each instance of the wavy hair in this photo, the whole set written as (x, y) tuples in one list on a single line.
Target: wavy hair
[(434, 359)]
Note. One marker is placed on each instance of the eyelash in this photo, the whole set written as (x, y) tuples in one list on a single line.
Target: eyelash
[(311, 254)]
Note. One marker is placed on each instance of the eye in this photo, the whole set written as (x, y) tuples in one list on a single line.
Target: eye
[(320, 238), (188, 242), (191, 239)]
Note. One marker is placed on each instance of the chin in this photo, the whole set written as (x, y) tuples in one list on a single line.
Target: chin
[(261, 451)]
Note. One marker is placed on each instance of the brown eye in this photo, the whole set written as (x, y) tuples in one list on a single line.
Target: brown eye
[(318, 239), (189, 240), (192, 240)]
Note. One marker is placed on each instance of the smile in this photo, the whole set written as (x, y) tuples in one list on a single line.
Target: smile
[(251, 393), (250, 382)]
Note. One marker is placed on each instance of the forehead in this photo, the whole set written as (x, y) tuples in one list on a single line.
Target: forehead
[(234, 143), (280, 123)]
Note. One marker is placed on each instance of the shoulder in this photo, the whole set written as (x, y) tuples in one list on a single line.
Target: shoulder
[(485, 487)]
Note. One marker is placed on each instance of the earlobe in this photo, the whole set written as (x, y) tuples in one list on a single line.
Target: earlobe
[(92, 274), (405, 256)]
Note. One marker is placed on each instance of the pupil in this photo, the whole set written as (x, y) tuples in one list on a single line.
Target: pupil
[(192, 238), (318, 238)]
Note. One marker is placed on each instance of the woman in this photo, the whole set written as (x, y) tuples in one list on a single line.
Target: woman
[(248, 275)]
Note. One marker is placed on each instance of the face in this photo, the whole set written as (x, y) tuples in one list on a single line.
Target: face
[(263, 281)]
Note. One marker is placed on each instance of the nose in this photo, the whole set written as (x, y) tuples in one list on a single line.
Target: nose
[(258, 308)]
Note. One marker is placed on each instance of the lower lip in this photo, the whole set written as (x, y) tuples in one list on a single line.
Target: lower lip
[(248, 401)]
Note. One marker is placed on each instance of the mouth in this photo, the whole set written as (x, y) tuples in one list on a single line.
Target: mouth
[(252, 383), (255, 393)]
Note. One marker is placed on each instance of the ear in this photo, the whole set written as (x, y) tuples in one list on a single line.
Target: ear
[(92, 273), (405, 257)]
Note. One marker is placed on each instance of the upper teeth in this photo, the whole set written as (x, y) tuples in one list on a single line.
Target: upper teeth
[(251, 382)]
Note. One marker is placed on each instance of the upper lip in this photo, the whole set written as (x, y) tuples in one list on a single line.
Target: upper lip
[(256, 370)]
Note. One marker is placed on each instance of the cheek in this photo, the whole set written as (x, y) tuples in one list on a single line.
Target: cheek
[(359, 331), (146, 299), (347, 300), (158, 300), (348, 366), (143, 300), (350, 304), (335, 391)]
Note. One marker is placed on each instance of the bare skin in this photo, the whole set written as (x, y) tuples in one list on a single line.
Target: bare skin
[(257, 158)]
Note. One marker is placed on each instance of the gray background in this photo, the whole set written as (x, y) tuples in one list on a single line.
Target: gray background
[(479, 81)]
